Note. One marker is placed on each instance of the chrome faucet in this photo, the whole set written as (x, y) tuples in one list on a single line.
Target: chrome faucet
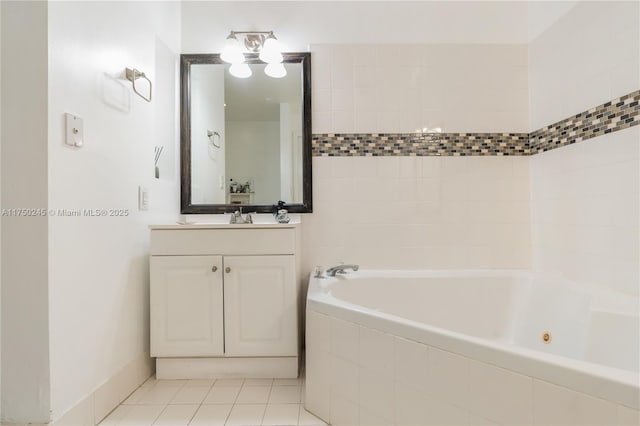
[(340, 269), (237, 217)]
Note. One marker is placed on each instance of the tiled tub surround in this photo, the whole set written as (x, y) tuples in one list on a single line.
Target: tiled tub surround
[(615, 115), (419, 212), (585, 211), (369, 366)]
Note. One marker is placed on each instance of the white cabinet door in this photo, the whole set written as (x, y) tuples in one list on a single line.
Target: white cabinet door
[(186, 306), (260, 306)]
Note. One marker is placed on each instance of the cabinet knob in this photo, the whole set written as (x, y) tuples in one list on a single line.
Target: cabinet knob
[(214, 269), (227, 269)]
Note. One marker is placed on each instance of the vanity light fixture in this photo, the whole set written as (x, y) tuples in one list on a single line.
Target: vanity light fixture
[(262, 42)]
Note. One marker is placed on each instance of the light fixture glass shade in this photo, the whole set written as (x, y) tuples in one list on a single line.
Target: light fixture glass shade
[(275, 70), (232, 52), (241, 70), (271, 52)]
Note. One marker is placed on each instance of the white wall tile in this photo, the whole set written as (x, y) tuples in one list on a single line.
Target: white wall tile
[(410, 407), (343, 412), (411, 364), (585, 209), (440, 413), (500, 395), (425, 89), (628, 416), (344, 339), (375, 393), (449, 377), (376, 351), (345, 379), (573, 68), (557, 405)]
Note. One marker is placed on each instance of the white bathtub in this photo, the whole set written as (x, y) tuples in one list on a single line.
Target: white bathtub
[(454, 347)]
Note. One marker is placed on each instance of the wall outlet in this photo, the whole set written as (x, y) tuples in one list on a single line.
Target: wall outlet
[(143, 198)]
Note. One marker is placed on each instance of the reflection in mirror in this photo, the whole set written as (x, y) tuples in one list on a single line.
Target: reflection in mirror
[(247, 138)]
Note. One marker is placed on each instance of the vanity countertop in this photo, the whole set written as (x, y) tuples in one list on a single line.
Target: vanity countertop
[(225, 226)]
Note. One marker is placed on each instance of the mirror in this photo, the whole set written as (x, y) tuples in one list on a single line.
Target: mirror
[(245, 142)]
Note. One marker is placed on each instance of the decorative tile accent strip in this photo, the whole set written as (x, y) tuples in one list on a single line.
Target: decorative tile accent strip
[(408, 144), (615, 115)]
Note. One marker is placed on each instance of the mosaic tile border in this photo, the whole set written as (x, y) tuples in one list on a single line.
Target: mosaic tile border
[(408, 144), (612, 116)]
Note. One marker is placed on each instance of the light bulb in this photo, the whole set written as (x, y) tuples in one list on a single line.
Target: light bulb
[(275, 70), (270, 52), (241, 70), (232, 52)]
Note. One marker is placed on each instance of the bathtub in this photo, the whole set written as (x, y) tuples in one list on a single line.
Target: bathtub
[(469, 348)]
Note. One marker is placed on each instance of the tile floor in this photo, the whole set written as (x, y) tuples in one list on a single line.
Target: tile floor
[(231, 402)]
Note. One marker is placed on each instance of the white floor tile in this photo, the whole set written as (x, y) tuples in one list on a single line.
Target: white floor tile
[(285, 395), (141, 415), (258, 382), (229, 382), (116, 415), (287, 382), (151, 381), (308, 419), (211, 415), (200, 383), (253, 395), (171, 383), (137, 394), (246, 415), (190, 395), (158, 395), (222, 395), (177, 415), (281, 415)]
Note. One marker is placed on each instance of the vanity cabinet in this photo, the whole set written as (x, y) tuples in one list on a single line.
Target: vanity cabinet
[(224, 301), (186, 306)]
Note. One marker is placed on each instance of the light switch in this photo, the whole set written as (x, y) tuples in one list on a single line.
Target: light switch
[(143, 198), (75, 134)]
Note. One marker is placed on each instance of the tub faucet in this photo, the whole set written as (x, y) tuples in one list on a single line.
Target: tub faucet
[(340, 269)]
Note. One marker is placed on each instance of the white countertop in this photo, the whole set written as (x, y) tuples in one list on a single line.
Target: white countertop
[(221, 221)]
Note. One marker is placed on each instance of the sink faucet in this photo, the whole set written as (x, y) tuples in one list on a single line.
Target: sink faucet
[(237, 218), (340, 269)]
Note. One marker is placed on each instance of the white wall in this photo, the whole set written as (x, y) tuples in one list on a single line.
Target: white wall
[(25, 332), (586, 58), (98, 274), (207, 114), (253, 152), (297, 24), (585, 196)]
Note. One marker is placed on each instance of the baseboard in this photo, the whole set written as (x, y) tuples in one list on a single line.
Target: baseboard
[(217, 368), (95, 407)]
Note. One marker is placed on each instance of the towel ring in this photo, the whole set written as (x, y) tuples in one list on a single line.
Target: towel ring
[(212, 137), (132, 75)]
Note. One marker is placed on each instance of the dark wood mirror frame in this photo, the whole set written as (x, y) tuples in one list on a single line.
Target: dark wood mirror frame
[(186, 207)]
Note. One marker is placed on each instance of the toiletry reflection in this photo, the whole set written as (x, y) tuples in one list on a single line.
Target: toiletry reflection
[(281, 214), (240, 188)]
